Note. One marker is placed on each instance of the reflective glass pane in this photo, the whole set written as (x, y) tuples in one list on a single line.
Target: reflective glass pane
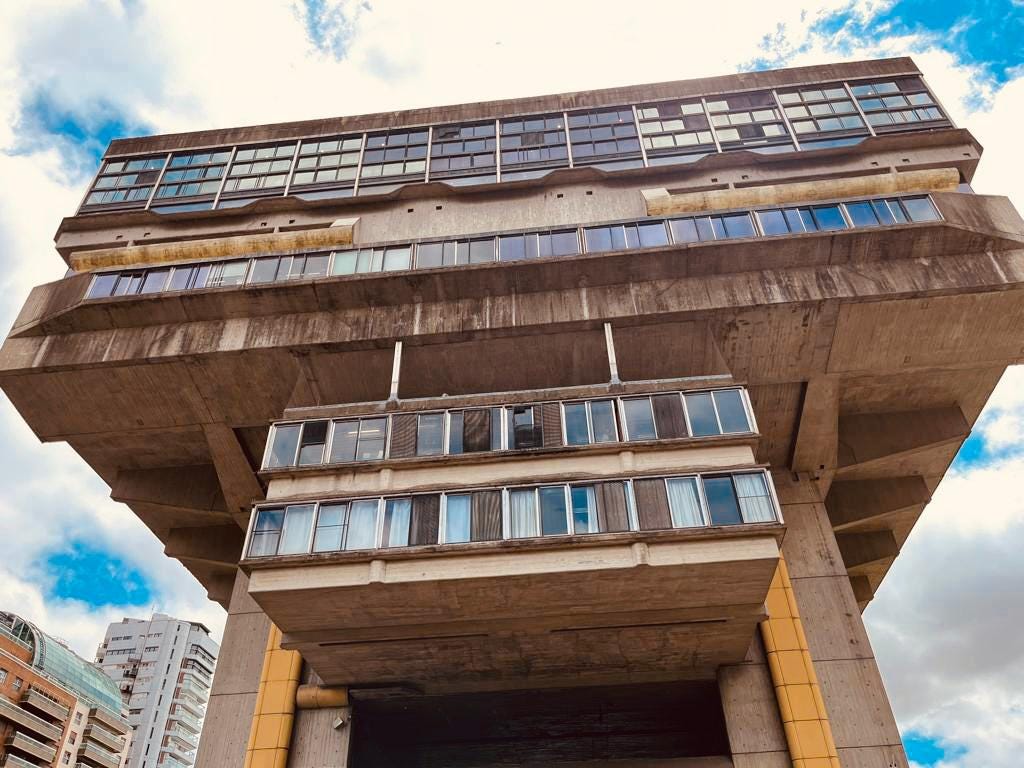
[(430, 434), (731, 412), (639, 419), (455, 427), (481, 251), (722, 503), (883, 213), (652, 234), (330, 527), (311, 447), (298, 524), (102, 286), (457, 518), (701, 411), (602, 420), (155, 280), (343, 441), (829, 217), (553, 519), (371, 439), (282, 450), (512, 247), (264, 270), (362, 525), (684, 230), (738, 225), (397, 258), (344, 263), (598, 239), (862, 214), (773, 222), (584, 509), (522, 510), (429, 255), (576, 430), (920, 209)]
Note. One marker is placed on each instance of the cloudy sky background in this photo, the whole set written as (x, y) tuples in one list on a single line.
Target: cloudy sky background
[(946, 624)]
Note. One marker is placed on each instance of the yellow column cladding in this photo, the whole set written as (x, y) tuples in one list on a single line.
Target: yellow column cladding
[(271, 731), (801, 707)]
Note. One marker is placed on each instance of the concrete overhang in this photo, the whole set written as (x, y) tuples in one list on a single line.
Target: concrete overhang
[(606, 608)]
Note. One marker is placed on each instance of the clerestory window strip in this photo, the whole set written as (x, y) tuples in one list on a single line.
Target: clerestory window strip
[(768, 221), (515, 147), (689, 500)]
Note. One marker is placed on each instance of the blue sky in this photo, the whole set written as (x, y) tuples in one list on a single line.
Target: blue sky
[(74, 74)]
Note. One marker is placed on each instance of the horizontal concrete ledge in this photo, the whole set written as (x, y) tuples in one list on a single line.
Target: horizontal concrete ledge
[(661, 201), (338, 233)]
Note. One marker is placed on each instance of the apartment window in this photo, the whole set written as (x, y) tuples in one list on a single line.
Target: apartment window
[(675, 131), (272, 269), (522, 519), (532, 142), (458, 512), (328, 162), (266, 532), (917, 208), (312, 442), (394, 154), (723, 504), (397, 516), (66, 758), (71, 737), (358, 440), (3, 676), (602, 135), (284, 444), (592, 421), (463, 150), (18, 682), (474, 430), (748, 121), (898, 103), (684, 502), (616, 237), (365, 260), (715, 413), (193, 175), (430, 434), (258, 169), (362, 525), (125, 181), (298, 522), (554, 519), (330, 527), (227, 273), (706, 228), (78, 718), (524, 428), (827, 109), (638, 419)]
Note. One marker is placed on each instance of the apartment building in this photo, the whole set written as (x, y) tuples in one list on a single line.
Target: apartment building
[(565, 430), (56, 709), (163, 667)]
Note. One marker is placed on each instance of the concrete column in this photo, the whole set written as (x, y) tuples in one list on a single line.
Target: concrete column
[(861, 719), (321, 738), (235, 684)]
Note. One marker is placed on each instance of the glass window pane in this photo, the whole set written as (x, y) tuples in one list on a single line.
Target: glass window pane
[(102, 286), (702, 415), (684, 230), (883, 213), (584, 509), (155, 280), (564, 243), (344, 263), (311, 447), (738, 225), (598, 239), (343, 442), (795, 221), (862, 214), (522, 513), (455, 427), (330, 527), (397, 514), (553, 519), (496, 421), (315, 265), (722, 502), (731, 412), (705, 231), (282, 450), (429, 255), (684, 502), (266, 532), (264, 270), (755, 502), (362, 525), (828, 217), (639, 419), (298, 523), (576, 430), (524, 431), (430, 434), (897, 210), (481, 251), (371, 439), (457, 517), (773, 222), (602, 420), (512, 247), (920, 209), (397, 258), (653, 234)]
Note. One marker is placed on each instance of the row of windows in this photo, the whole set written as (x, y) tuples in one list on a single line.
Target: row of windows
[(610, 137), (649, 233), (663, 416), (638, 504)]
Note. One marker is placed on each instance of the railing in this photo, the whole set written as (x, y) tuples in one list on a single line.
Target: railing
[(51, 706), (117, 724), (599, 420), (13, 761), (101, 756), (8, 634), (11, 711), (34, 747), (189, 687), (510, 148), (189, 702), (104, 737), (173, 762), (693, 500), (185, 737), (186, 719), (639, 234)]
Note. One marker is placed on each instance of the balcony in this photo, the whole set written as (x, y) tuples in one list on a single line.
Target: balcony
[(611, 581), (189, 704), (22, 743), (12, 712), (169, 761), (44, 703), (13, 761), (183, 737), (104, 738), (187, 721), (97, 756), (112, 721), (177, 752)]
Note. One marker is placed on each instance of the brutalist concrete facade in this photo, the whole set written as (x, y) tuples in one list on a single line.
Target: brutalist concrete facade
[(567, 430)]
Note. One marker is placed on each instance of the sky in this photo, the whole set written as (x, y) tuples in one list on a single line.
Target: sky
[(947, 622)]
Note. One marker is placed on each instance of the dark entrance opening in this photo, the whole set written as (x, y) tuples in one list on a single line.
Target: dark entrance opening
[(540, 727)]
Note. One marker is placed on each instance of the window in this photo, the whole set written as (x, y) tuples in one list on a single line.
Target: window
[(822, 109), (394, 154), (722, 502), (715, 413), (705, 228), (18, 682), (193, 175), (604, 134), (648, 234), (397, 516), (371, 260), (430, 434), (589, 422), (154, 281), (127, 182), (584, 509), (684, 502), (897, 104), (457, 524), (524, 429), (463, 150), (522, 520), (225, 273), (266, 532), (358, 440), (3, 675), (66, 758), (532, 142), (78, 715), (638, 419), (362, 525), (748, 120), (298, 523), (258, 170), (554, 518), (284, 443), (917, 208), (328, 162), (312, 442), (71, 737), (675, 129)]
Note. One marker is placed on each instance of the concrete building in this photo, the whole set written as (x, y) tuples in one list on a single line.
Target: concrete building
[(163, 667), (567, 430), (56, 709)]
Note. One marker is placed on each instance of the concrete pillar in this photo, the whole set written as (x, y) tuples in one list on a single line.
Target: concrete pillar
[(756, 738), (861, 719), (321, 738), (235, 684)]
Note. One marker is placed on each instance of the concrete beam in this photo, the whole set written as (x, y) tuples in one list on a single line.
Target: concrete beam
[(195, 488), (215, 544), (863, 550), (237, 480), (863, 592), (852, 502), (219, 588), (877, 437), (816, 449)]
